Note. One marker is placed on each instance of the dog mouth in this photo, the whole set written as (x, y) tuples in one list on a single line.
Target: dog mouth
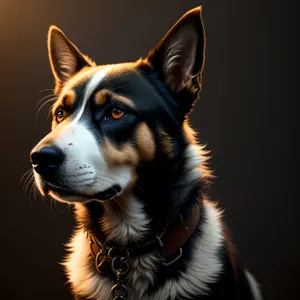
[(65, 193)]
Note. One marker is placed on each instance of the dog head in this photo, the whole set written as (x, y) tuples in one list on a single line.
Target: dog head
[(108, 121)]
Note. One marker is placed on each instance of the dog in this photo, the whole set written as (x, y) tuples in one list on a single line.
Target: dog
[(121, 150)]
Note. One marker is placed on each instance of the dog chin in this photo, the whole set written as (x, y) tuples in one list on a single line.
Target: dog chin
[(67, 196), (67, 199)]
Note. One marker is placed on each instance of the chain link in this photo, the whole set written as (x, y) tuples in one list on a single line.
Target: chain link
[(120, 268), (116, 259)]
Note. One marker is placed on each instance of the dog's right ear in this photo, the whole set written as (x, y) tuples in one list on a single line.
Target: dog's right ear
[(180, 54), (65, 58)]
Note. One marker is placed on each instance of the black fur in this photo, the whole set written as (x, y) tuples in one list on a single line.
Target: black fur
[(163, 96)]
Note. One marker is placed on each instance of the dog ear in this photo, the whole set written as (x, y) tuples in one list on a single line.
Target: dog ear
[(65, 58), (180, 54)]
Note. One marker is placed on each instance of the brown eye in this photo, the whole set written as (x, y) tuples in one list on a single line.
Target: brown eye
[(117, 113), (59, 115)]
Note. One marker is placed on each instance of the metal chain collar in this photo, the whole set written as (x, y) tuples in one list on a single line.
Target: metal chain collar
[(117, 261)]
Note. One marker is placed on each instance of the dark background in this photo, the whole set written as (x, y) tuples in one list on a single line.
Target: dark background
[(246, 115)]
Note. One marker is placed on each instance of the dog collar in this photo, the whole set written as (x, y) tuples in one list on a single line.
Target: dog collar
[(169, 243)]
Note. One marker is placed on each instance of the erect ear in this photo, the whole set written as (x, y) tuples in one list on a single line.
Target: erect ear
[(65, 58), (180, 54)]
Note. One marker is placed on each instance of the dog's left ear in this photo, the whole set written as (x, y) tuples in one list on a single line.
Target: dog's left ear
[(65, 58), (180, 54)]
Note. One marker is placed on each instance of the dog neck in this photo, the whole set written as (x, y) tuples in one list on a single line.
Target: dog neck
[(168, 244), (165, 189)]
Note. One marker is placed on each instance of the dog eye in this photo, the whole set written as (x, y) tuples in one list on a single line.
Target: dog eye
[(115, 114), (59, 115)]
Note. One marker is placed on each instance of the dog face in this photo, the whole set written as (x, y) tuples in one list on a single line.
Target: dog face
[(110, 120)]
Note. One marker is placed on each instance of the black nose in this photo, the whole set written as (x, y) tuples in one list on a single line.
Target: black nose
[(46, 160)]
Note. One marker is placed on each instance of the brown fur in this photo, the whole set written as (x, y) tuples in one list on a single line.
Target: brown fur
[(102, 96), (145, 142), (69, 99), (166, 144), (115, 157)]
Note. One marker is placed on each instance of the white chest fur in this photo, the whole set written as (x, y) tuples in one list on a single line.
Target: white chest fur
[(204, 264)]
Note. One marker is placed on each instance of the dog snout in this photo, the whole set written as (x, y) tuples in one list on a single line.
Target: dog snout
[(46, 160)]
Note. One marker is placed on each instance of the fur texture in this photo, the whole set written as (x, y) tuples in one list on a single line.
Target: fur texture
[(122, 152)]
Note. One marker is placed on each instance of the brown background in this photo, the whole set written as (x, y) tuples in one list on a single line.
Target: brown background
[(247, 115)]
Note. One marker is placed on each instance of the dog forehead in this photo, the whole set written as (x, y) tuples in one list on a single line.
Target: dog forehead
[(136, 81), (141, 85), (125, 79), (93, 77)]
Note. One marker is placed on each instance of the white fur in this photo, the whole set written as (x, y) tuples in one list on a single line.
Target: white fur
[(255, 289), (192, 171), (129, 223), (124, 220), (85, 169), (81, 272), (203, 268), (205, 265), (91, 87)]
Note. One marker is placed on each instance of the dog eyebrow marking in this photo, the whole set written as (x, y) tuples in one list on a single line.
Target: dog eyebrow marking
[(102, 96), (69, 98)]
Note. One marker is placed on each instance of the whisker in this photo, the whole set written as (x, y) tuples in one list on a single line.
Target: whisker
[(49, 100), (46, 97), (50, 111), (44, 199), (31, 193), (27, 180), (51, 204), (36, 193), (67, 206), (24, 175), (139, 187), (30, 181), (45, 90)]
